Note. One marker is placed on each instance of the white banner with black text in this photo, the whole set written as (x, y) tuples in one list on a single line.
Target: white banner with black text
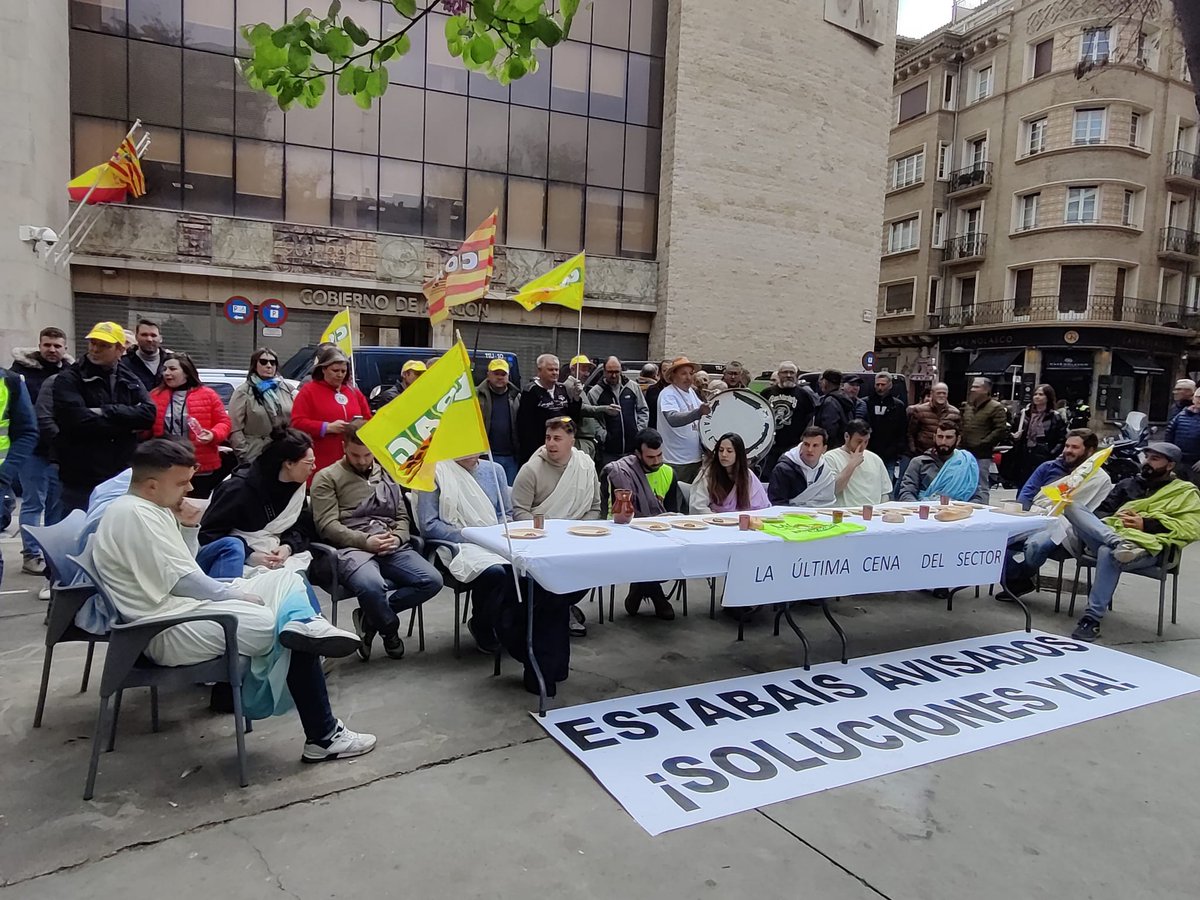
[(691, 754)]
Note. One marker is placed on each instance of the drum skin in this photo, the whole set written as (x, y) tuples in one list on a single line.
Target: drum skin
[(743, 412)]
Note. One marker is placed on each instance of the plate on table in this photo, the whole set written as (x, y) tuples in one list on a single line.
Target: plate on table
[(589, 530), (689, 525), (650, 525), (526, 534), (720, 520)]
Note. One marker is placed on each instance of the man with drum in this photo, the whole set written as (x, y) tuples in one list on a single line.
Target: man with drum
[(679, 414), (792, 406)]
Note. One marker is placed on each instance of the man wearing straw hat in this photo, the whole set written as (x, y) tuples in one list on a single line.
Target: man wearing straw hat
[(679, 412)]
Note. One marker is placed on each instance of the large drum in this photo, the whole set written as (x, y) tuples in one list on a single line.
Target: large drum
[(743, 412)]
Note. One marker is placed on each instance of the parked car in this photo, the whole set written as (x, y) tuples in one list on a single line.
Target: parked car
[(379, 367)]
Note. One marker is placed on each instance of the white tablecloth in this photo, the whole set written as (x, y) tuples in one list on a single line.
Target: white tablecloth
[(563, 562)]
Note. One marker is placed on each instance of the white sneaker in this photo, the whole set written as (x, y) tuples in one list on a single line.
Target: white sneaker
[(318, 637), (44, 594), (342, 745)]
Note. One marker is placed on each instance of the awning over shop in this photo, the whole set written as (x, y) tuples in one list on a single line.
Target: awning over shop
[(994, 362), (1140, 363)]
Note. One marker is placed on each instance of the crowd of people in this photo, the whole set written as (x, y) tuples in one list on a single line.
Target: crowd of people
[(129, 434)]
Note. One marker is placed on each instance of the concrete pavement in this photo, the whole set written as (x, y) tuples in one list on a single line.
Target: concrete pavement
[(467, 795)]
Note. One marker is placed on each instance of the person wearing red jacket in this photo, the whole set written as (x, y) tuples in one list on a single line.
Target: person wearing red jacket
[(187, 408), (327, 404)]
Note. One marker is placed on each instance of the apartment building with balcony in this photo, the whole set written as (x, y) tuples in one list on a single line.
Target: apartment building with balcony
[(1040, 208)]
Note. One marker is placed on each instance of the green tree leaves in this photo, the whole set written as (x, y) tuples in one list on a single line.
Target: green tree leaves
[(293, 62)]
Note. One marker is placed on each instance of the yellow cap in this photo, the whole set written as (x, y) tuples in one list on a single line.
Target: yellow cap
[(498, 365), (109, 332), (581, 360), (413, 365)]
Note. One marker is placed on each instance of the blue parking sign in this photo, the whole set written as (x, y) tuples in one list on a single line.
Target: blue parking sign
[(273, 313), (238, 310)]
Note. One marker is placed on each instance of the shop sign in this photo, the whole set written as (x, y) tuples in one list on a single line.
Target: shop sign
[(398, 304)]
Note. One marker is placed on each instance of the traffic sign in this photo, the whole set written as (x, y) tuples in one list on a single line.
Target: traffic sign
[(868, 360), (238, 310), (273, 312)]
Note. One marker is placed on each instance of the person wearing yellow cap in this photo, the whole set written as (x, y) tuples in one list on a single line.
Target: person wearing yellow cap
[(99, 407), (409, 372), (499, 400), (591, 418)]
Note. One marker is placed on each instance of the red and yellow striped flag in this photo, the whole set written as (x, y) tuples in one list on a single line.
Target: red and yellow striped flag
[(127, 168), (466, 275)]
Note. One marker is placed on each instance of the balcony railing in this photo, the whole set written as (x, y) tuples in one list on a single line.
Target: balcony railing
[(1178, 241), (1103, 308), (1181, 164), (971, 245), (977, 175)]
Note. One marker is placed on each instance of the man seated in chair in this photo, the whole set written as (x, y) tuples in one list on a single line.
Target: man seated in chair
[(655, 492), (860, 476), (359, 509), (471, 492), (558, 482), (1142, 517), (801, 477), (943, 469), (146, 569), (1087, 485)]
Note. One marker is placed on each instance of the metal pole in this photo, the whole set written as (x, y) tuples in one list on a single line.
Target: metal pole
[(82, 203)]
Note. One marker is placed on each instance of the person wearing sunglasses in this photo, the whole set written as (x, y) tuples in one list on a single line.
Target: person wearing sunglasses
[(260, 404)]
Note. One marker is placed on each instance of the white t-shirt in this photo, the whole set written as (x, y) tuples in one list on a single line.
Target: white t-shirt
[(681, 444), (870, 482)]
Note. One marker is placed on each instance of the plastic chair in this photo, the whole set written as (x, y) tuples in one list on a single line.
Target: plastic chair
[(460, 589), (58, 542), (1167, 566)]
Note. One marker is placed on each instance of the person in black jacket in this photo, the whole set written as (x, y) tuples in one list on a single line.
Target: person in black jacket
[(834, 409), (792, 404), (888, 417), (18, 435), (544, 399), (263, 506), (627, 413), (654, 390), (145, 359), (99, 408)]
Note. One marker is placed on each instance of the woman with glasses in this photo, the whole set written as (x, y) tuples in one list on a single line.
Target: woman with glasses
[(261, 403), (186, 408)]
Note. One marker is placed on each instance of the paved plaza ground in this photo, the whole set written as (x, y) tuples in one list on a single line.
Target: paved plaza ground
[(466, 796)]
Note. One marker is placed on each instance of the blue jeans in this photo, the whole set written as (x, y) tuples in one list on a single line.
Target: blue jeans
[(510, 467), (411, 579), (1101, 540), (39, 494), (1037, 549)]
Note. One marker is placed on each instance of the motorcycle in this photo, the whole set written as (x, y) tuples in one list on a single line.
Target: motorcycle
[(1125, 459)]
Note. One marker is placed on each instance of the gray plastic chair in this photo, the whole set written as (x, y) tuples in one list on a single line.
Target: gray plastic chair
[(58, 542), (1167, 566)]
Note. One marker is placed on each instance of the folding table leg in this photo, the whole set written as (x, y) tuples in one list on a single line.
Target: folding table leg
[(836, 627), (529, 654), (787, 614)]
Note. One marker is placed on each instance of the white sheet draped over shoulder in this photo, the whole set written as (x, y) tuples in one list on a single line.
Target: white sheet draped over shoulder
[(463, 504)]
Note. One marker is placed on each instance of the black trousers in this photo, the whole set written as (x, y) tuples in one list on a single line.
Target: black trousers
[(551, 632)]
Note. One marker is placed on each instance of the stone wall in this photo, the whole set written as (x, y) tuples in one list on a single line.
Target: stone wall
[(775, 139)]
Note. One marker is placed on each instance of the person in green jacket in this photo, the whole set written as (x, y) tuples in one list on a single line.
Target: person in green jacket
[(1142, 517)]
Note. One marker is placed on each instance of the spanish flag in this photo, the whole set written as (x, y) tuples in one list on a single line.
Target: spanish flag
[(112, 180), (562, 285), (340, 332), (436, 418), (465, 276)]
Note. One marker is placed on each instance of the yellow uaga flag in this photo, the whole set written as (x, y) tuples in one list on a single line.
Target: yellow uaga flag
[(1059, 492), (340, 332), (562, 285), (436, 418)]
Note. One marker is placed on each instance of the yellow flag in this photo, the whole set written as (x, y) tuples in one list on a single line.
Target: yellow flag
[(436, 418), (340, 332), (562, 285), (1059, 493)]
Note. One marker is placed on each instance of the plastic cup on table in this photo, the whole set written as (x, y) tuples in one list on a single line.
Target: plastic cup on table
[(539, 521), (743, 522), (837, 516), (923, 511), (868, 512)]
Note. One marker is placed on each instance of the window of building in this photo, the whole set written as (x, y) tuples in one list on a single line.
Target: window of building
[(602, 221), (259, 185), (937, 236), (208, 25), (485, 192), (605, 153), (528, 134), (99, 15), (1142, 56), (610, 23), (607, 84), (443, 72), (1193, 293), (355, 191), (1129, 208), (399, 196), (1043, 57), (255, 114), (163, 167), (97, 64), (251, 12), (1094, 45), (642, 158), (568, 147), (977, 151), (931, 299), (903, 235), (569, 77), (407, 69), (1089, 126), (446, 131), (639, 216), (160, 21), (355, 129), (208, 173), (402, 122), (913, 102), (1135, 130), (564, 217), (208, 91), (1035, 136), (1073, 285), (313, 127), (983, 83), (645, 88), (943, 160), (1027, 214), (526, 212), (487, 135), (150, 67), (1185, 137), (966, 291), (445, 192), (1081, 205), (1022, 291), (308, 185), (898, 298), (949, 91), (969, 220), (908, 170)]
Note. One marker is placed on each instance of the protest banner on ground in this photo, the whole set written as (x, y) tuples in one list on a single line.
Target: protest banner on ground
[(678, 757)]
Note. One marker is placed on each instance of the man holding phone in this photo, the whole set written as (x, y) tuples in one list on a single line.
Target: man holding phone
[(360, 510)]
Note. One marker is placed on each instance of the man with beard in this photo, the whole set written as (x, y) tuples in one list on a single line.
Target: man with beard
[(655, 491), (144, 361), (924, 418), (944, 469), (888, 418), (792, 405), (359, 510), (626, 413), (1144, 515), (835, 407), (1087, 488)]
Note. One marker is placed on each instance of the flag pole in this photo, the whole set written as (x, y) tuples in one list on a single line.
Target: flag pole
[(82, 203), (579, 333)]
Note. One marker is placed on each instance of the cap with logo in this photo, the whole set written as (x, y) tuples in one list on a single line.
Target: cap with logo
[(109, 332), (498, 365), (413, 365)]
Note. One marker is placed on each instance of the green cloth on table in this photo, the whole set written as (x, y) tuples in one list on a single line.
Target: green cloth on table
[(806, 528)]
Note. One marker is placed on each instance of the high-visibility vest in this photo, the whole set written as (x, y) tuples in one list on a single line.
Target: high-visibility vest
[(4, 442), (660, 480)]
